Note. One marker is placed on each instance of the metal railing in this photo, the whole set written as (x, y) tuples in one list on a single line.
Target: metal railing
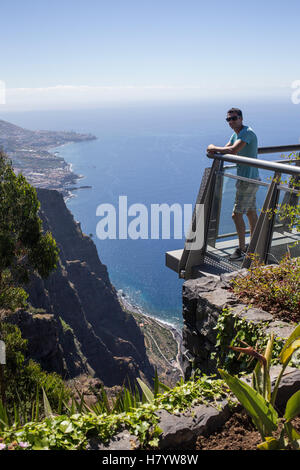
[(262, 164), (210, 195)]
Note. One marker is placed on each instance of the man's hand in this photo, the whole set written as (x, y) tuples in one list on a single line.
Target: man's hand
[(211, 149), (234, 149)]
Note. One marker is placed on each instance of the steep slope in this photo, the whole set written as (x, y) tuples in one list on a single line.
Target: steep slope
[(96, 335)]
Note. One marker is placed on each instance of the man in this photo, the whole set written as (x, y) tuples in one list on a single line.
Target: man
[(242, 142)]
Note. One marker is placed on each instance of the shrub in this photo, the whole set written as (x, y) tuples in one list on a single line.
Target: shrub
[(24, 247), (233, 330), (259, 401), (275, 288), (23, 377)]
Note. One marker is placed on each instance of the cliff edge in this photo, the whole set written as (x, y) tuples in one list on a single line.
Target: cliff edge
[(95, 335)]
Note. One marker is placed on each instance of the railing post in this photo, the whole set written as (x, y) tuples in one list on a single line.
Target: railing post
[(190, 257), (213, 223), (261, 238)]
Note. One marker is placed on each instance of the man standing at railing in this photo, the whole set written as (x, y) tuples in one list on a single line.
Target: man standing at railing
[(242, 142)]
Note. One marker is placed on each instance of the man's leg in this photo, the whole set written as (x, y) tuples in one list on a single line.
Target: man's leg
[(252, 217), (240, 228)]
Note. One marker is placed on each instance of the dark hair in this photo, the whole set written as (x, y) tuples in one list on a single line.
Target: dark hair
[(237, 111)]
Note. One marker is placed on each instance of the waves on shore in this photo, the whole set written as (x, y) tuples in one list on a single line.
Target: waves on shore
[(128, 304)]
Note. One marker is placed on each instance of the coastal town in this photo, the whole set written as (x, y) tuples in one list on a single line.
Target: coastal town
[(30, 154)]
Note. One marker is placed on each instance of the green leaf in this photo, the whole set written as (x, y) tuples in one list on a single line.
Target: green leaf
[(258, 379), (292, 407), (128, 403), (146, 391), (105, 399), (154, 442), (37, 404), (164, 387), (291, 344), (47, 407), (293, 435), (269, 350), (270, 444), (41, 444), (262, 412), (66, 426)]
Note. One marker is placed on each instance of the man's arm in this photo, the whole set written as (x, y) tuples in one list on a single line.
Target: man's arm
[(229, 148)]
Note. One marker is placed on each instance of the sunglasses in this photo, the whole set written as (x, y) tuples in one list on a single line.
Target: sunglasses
[(233, 118)]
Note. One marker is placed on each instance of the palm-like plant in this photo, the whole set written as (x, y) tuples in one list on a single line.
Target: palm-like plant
[(259, 401)]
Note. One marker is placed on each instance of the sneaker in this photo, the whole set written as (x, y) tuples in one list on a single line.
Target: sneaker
[(237, 254)]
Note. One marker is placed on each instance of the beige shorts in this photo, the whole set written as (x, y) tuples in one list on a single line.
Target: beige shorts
[(245, 198)]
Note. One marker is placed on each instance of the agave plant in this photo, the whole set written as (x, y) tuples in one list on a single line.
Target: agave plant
[(128, 399), (259, 401), (18, 415)]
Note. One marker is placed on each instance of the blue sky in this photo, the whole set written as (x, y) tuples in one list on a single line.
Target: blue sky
[(56, 51)]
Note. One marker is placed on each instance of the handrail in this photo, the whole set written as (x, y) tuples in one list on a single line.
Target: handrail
[(209, 197), (263, 164), (285, 162), (279, 148)]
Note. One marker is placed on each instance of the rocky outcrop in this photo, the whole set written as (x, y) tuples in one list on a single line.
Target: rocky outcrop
[(42, 334), (96, 336)]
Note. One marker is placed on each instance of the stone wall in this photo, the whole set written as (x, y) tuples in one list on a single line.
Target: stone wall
[(203, 301)]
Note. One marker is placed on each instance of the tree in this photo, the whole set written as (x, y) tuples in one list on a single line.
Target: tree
[(24, 247)]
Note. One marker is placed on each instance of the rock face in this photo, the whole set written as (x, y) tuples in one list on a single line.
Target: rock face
[(41, 331), (95, 335)]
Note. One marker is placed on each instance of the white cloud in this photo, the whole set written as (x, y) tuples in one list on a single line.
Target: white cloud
[(72, 96)]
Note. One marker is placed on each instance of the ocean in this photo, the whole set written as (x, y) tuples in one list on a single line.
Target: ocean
[(152, 154)]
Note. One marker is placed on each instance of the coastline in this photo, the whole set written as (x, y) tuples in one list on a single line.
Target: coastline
[(38, 156), (35, 155), (124, 299), (68, 192), (173, 367)]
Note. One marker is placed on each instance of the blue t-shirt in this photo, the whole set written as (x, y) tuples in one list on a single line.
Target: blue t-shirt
[(247, 135)]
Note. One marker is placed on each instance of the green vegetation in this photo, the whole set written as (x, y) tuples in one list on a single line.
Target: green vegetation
[(259, 401), (289, 213), (40, 412), (24, 248), (23, 377), (65, 326), (233, 330), (132, 410), (274, 288)]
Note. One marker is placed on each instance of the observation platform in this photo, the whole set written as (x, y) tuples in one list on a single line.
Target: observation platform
[(212, 236)]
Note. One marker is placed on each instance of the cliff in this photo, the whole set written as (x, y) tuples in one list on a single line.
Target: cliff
[(95, 335)]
